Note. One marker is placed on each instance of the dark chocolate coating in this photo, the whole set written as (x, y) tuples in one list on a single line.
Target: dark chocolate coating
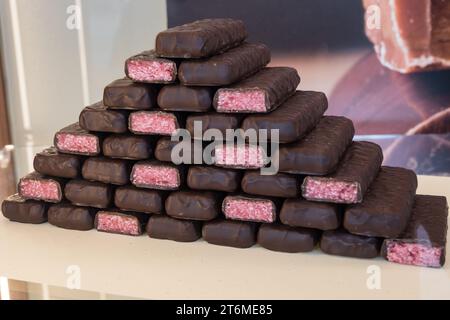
[(179, 118), (294, 118), (202, 38), (226, 68), (150, 55), (341, 243), (51, 162), (279, 185), (191, 205), (320, 151), (213, 178), (180, 98), (18, 209), (386, 208), (278, 84), (90, 194), (181, 177), (128, 147), (218, 121), (230, 233), (427, 226), (76, 130), (106, 170), (278, 237), (70, 217), (39, 177), (308, 214), (360, 165), (99, 118), (167, 228), (140, 218), (126, 94), (164, 147), (130, 198)]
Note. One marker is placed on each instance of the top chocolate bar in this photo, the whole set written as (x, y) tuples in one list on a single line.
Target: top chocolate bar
[(200, 39)]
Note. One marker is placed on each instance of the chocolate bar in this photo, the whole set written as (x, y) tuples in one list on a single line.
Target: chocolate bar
[(163, 150), (75, 140), (315, 215), (341, 243), (423, 241), (199, 39), (99, 118), (191, 205), (155, 123), (278, 185), (260, 93), (70, 217), (226, 68), (348, 184), (277, 237), (128, 147), (320, 151), (128, 95), (217, 121), (130, 198), (166, 228), (36, 186), (157, 175), (147, 67), (89, 194), (51, 162), (106, 170), (240, 156), (293, 119), (236, 234), (112, 221), (250, 208), (386, 208), (211, 178), (181, 98), (18, 209)]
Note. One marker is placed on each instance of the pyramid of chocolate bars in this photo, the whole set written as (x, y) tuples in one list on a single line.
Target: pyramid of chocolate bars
[(113, 169)]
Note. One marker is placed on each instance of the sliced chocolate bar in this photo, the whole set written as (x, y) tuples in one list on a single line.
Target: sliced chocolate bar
[(51, 162), (75, 140), (424, 240), (155, 123), (199, 39), (167, 228), (157, 175), (341, 243), (90, 194), (130, 198), (320, 151), (236, 234), (240, 156), (191, 205), (70, 217), (386, 208), (147, 67), (278, 185), (293, 119), (181, 98), (211, 178), (217, 121), (165, 146), (278, 237), (260, 93), (128, 95), (36, 186), (128, 147), (99, 118), (348, 184), (106, 170), (18, 209), (250, 208), (226, 68), (114, 221)]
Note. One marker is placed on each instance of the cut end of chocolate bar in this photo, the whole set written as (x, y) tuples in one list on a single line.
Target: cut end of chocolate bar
[(153, 123), (240, 156), (151, 70), (242, 101), (114, 222), (36, 187), (249, 209), (412, 253), (156, 176), (75, 140), (331, 190)]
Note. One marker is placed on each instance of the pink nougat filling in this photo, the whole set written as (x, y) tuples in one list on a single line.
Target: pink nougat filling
[(153, 123), (156, 177), (413, 254), (158, 70), (244, 156), (40, 189), (114, 223), (252, 100), (249, 210), (77, 143), (331, 190)]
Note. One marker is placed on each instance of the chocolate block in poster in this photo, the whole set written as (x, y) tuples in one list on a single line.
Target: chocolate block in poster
[(240, 156), (211, 178), (147, 67), (221, 122), (36, 186), (51, 162), (155, 123), (341, 243), (113, 221), (89, 194), (106, 170), (130, 198), (250, 208), (167, 228), (128, 147), (186, 99), (70, 217), (128, 95), (236, 234), (279, 185), (191, 205), (75, 140), (99, 118), (157, 175), (278, 237), (18, 209)]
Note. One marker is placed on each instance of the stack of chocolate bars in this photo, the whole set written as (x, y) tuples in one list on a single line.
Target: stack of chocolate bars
[(114, 170)]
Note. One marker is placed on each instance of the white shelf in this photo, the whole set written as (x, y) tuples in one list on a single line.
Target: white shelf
[(154, 269)]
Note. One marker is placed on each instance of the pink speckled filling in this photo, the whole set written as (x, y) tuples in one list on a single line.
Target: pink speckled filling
[(155, 176), (39, 189), (253, 100), (331, 190), (153, 123), (117, 224), (249, 210), (244, 156), (141, 70), (413, 254), (77, 143)]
